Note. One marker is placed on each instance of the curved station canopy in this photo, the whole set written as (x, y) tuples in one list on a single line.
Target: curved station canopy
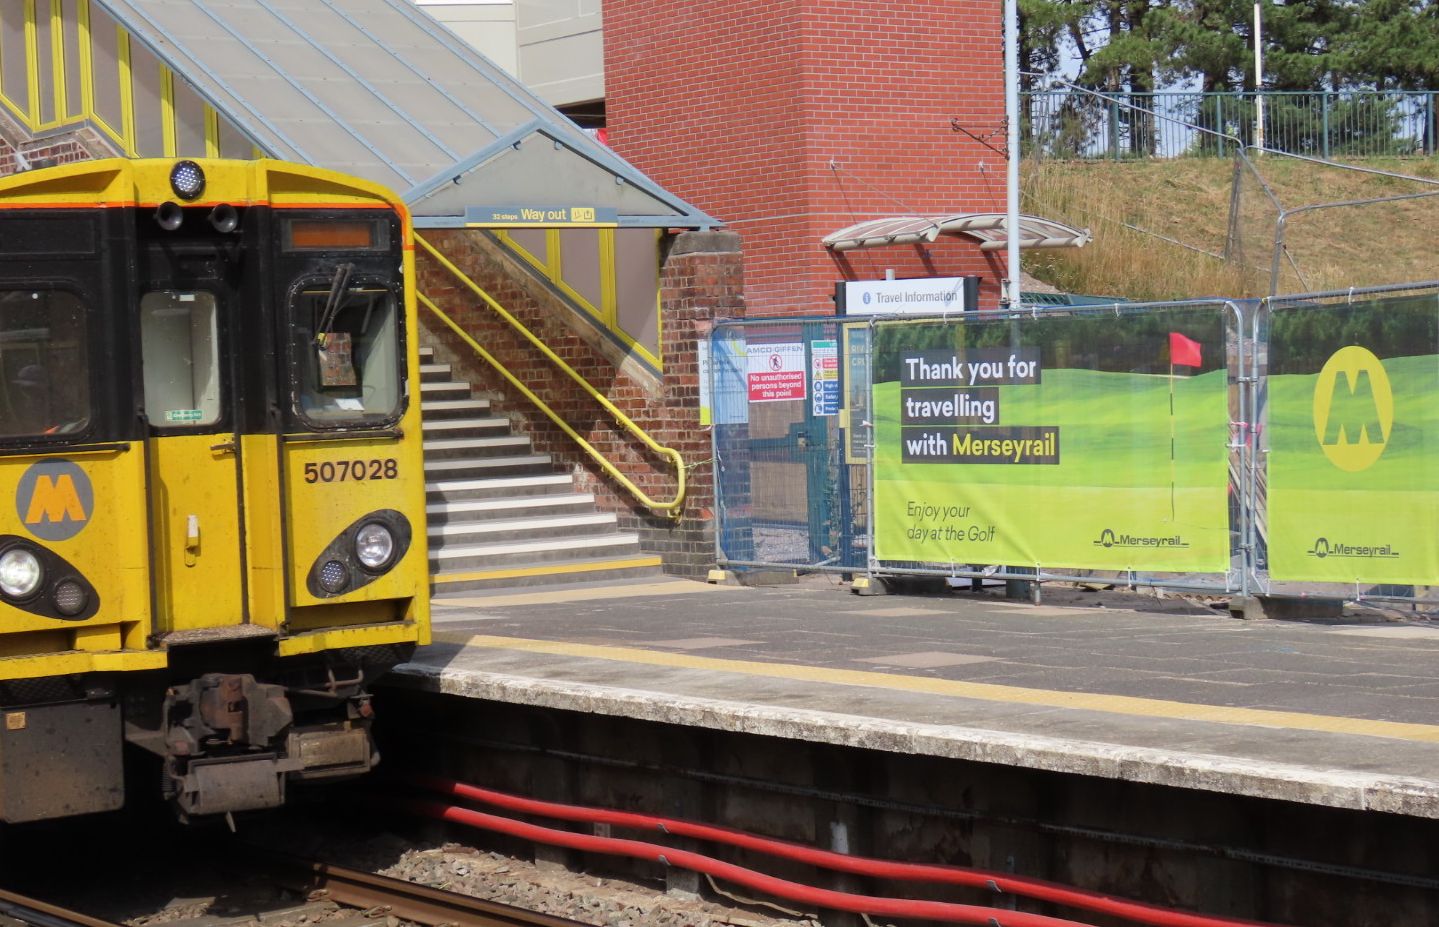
[(989, 228), (378, 89)]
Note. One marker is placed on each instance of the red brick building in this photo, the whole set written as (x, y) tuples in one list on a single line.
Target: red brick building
[(792, 119)]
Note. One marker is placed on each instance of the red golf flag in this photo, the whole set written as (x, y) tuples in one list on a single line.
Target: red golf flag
[(1184, 351)]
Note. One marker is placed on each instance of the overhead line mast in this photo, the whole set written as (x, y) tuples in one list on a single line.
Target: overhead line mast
[(1011, 106)]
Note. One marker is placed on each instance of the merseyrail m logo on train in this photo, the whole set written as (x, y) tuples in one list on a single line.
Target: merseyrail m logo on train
[(1353, 408), (54, 500)]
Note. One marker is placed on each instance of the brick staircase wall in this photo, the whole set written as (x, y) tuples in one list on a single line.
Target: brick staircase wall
[(702, 280), (81, 143)]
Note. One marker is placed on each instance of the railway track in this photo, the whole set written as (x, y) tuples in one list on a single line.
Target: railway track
[(17, 909), (407, 901), (326, 895)]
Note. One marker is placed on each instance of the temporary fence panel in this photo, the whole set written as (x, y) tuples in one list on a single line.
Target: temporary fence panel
[(790, 470), (1288, 447), (1353, 440), (1058, 441)]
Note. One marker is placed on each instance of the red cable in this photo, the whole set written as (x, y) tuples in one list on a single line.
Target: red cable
[(1037, 889), (780, 888)]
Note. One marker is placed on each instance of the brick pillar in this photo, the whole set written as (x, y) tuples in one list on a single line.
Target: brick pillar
[(702, 280), (790, 119)]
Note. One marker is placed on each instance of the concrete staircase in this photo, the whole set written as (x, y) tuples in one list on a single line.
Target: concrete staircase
[(501, 515)]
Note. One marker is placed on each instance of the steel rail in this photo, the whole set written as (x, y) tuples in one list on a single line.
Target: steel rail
[(43, 914), (407, 901)]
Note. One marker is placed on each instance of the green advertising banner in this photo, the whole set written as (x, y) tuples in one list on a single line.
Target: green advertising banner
[(1082, 442), (1354, 442)]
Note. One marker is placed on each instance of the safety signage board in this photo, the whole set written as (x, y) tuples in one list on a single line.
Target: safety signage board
[(824, 376), (776, 372)]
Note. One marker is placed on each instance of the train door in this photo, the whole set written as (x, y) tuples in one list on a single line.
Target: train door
[(194, 468)]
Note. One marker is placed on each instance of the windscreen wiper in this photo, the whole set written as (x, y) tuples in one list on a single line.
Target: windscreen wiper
[(338, 284)]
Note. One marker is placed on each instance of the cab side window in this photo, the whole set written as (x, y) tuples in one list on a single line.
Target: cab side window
[(44, 364)]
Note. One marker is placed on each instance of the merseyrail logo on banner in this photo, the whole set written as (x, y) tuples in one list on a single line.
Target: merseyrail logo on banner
[(1353, 439), (54, 500), (1353, 409)]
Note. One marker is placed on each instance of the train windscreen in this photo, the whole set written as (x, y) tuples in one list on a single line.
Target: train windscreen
[(44, 368), (346, 353)]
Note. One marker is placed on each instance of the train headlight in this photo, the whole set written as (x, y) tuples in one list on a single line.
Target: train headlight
[(374, 546), (20, 573), (187, 180)]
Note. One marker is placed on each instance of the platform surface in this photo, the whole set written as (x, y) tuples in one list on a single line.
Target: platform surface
[(1119, 685)]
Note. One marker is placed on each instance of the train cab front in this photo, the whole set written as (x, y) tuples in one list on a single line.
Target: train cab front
[(277, 327), (210, 453)]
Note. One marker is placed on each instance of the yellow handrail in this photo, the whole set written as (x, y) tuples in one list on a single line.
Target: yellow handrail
[(673, 506)]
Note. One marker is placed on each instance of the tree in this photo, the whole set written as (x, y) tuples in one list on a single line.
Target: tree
[(1390, 45), (1136, 45)]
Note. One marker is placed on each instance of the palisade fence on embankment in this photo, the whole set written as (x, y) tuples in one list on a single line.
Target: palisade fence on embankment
[(1284, 445), (1068, 123), (1180, 200)]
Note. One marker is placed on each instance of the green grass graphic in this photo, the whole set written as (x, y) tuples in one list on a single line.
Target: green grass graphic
[(1114, 473)]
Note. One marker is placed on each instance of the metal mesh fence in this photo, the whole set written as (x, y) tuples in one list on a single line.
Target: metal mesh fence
[(1283, 446), (1091, 444), (789, 443), (1350, 124), (1345, 484)]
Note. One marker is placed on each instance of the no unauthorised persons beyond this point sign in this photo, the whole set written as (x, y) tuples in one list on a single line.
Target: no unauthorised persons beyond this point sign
[(776, 372)]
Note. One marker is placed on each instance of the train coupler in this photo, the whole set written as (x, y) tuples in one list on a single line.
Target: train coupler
[(232, 744)]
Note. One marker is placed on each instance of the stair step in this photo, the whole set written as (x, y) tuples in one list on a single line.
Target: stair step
[(498, 515), (440, 513), (583, 570), (475, 448), (506, 465), (446, 409), (447, 389), (489, 530), (464, 427), (528, 486), (532, 553)]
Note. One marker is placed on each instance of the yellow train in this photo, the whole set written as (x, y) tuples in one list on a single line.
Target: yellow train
[(210, 476)]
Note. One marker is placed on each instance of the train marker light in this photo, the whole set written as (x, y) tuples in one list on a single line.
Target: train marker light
[(69, 597), (187, 180), (334, 577)]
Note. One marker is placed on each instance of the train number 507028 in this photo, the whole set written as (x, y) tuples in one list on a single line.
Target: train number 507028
[(357, 470)]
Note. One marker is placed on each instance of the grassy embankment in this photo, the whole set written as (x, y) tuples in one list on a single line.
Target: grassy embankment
[(1188, 201)]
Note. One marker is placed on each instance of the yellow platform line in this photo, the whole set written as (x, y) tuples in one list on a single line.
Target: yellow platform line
[(562, 594), (981, 691), (588, 566)]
